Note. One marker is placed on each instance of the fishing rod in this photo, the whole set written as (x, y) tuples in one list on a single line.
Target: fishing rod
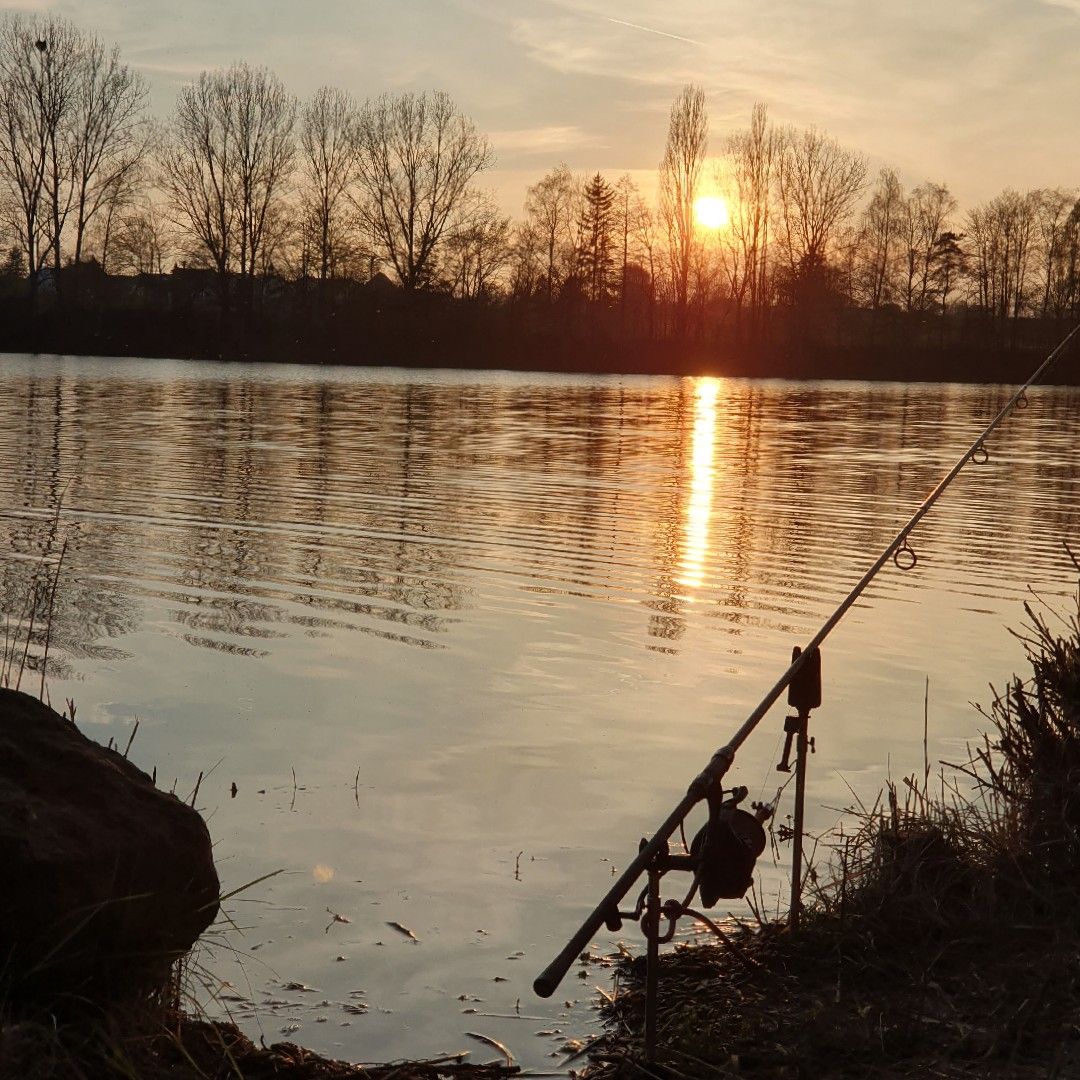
[(730, 834)]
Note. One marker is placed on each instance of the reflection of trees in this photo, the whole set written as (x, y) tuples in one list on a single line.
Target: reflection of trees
[(41, 456), (249, 509)]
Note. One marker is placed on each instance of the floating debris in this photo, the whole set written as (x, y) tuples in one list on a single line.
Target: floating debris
[(335, 917), (403, 930), (494, 1043)]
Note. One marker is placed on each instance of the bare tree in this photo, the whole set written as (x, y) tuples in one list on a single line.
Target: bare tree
[(526, 265), (634, 239), (753, 155), (680, 174), (36, 91), (1001, 236), (196, 171), (118, 200), (226, 163), (62, 49), (927, 213), (141, 239), (818, 183), (1054, 215), (477, 248), (110, 134), (880, 239), (328, 128), (551, 211), (647, 237), (264, 155), (74, 131), (416, 156)]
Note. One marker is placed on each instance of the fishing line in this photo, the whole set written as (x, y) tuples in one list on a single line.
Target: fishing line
[(899, 547), (905, 558)]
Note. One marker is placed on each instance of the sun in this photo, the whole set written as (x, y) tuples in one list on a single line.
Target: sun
[(711, 212)]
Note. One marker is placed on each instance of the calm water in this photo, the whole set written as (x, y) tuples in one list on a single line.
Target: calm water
[(493, 623)]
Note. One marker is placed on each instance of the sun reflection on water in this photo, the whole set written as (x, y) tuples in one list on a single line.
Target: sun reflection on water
[(695, 546)]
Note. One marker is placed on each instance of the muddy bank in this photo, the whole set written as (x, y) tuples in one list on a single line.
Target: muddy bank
[(166, 1044)]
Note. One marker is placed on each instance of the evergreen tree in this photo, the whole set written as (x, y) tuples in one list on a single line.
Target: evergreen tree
[(596, 246), (14, 268)]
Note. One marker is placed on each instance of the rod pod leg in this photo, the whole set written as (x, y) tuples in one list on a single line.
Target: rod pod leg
[(800, 804), (652, 962)]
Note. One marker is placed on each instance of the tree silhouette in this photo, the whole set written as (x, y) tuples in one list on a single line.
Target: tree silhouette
[(551, 209), (753, 155), (596, 239), (227, 158), (416, 157), (328, 132), (680, 174)]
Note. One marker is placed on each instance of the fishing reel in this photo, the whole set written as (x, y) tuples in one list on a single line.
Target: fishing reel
[(721, 858), (726, 848)]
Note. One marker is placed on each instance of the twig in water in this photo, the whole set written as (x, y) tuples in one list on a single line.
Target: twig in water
[(292, 805), (335, 917), (493, 1043)]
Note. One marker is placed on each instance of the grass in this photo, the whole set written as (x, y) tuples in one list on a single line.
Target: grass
[(943, 941)]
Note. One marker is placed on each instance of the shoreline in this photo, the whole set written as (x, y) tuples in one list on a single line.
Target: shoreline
[(976, 367)]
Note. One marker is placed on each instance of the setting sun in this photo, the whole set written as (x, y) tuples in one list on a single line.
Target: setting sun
[(711, 212)]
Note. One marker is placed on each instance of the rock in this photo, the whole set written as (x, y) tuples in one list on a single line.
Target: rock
[(106, 880)]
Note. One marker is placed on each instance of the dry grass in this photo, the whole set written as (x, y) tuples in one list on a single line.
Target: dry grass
[(945, 941)]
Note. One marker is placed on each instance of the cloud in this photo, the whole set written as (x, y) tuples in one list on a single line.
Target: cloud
[(552, 140)]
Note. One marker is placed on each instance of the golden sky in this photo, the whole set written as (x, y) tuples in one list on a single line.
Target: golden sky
[(981, 94)]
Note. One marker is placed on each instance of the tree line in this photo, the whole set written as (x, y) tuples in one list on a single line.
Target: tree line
[(246, 183)]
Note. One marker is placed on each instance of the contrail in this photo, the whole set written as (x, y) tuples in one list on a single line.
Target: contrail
[(650, 30)]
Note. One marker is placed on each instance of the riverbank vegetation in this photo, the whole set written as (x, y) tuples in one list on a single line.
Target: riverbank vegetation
[(248, 223), (943, 944)]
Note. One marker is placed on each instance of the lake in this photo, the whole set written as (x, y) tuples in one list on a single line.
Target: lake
[(461, 639)]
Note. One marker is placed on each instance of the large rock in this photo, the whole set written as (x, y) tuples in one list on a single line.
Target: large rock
[(104, 880)]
